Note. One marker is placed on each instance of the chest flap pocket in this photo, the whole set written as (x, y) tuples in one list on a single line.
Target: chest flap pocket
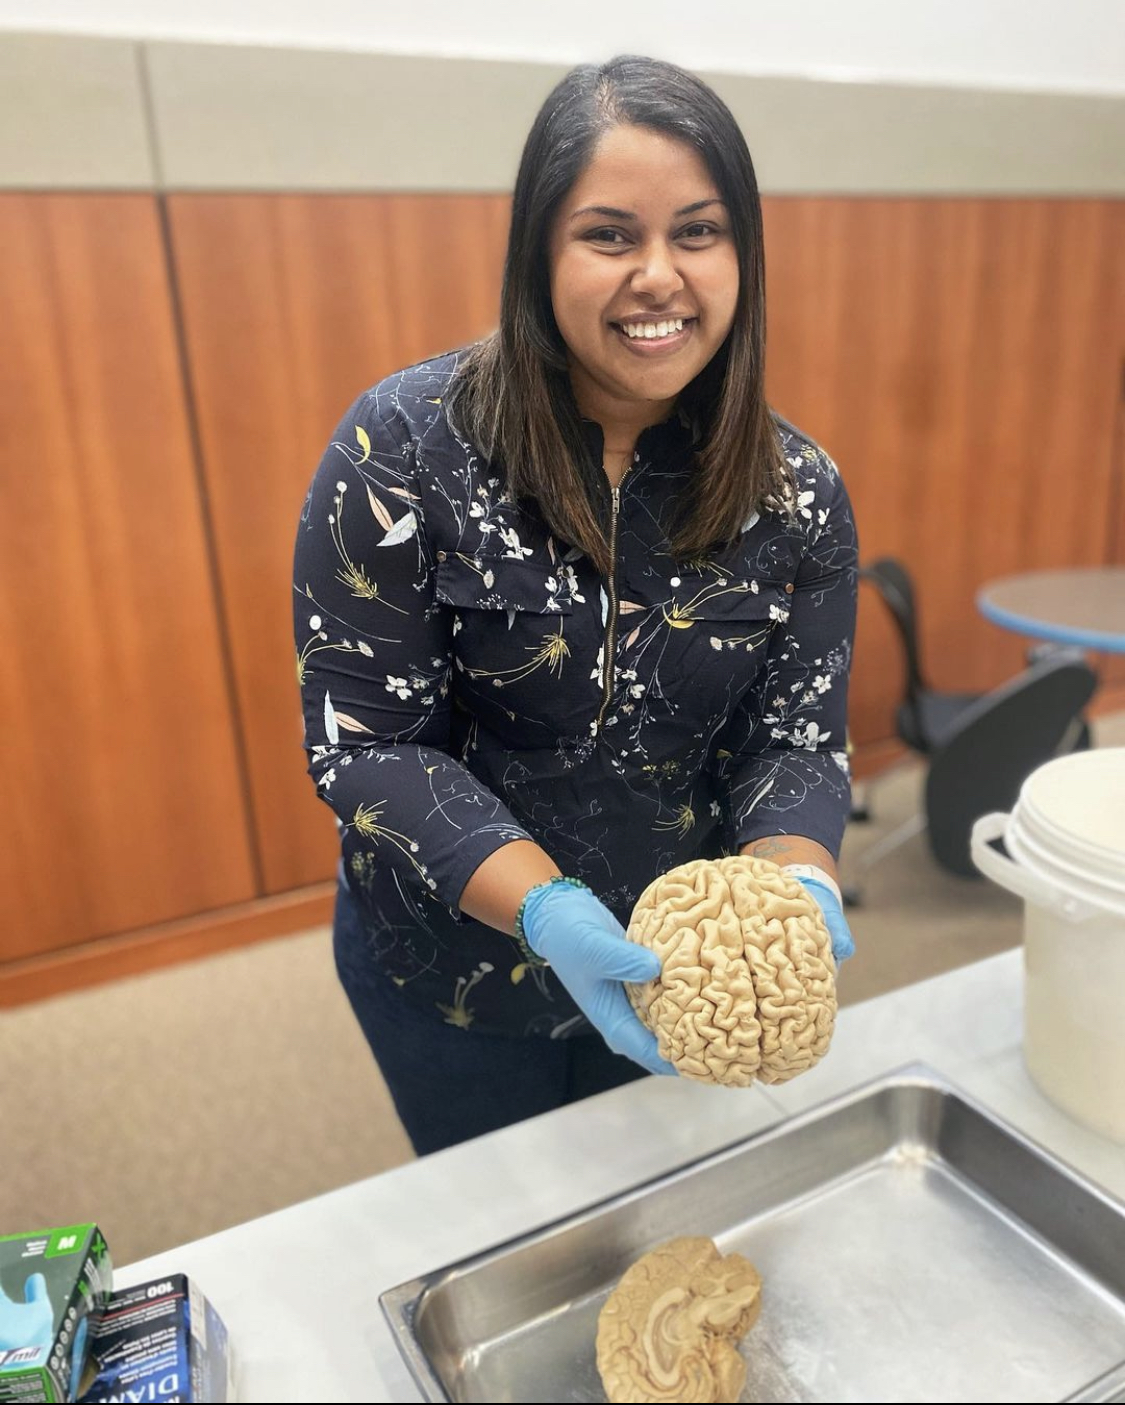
[(501, 583), (695, 597)]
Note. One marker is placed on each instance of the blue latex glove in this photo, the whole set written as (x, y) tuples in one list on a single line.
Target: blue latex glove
[(30, 1323), (589, 952), (834, 919)]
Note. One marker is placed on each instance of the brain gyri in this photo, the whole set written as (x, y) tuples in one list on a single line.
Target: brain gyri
[(748, 985)]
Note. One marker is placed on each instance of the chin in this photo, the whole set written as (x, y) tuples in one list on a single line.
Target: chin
[(666, 388)]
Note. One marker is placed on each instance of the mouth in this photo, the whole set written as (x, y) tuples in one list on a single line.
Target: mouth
[(648, 338)]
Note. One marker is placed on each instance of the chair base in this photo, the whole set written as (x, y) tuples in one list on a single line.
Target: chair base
[(902, 833)]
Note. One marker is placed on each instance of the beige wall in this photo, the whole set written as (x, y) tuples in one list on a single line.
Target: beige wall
[(98, 113)]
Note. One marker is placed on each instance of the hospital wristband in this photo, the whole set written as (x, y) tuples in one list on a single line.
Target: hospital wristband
[(809, 870)]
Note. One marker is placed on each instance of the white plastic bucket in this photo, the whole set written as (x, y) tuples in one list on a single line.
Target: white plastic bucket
[(1066, 839)]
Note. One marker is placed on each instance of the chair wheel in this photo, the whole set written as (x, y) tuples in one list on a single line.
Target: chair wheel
[(853, 897), (861, 814)]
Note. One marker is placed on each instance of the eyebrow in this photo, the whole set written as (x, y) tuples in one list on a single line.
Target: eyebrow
[(609, 212)]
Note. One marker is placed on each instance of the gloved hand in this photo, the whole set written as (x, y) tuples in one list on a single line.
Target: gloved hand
[(30, 1323), (589, 952), (834, 919)]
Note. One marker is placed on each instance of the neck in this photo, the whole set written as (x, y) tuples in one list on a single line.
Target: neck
[(622, 421)]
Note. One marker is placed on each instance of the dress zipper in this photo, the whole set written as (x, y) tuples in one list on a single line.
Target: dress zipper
[(609, 657)]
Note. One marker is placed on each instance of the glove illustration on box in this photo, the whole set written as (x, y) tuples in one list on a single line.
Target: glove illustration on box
[(53, 1285)]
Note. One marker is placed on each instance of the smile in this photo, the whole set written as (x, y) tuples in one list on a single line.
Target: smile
[(646, 338)]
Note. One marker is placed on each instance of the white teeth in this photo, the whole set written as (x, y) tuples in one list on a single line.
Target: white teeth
[(653, 329)]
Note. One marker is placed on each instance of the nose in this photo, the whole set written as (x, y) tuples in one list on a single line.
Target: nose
[(657, 275)]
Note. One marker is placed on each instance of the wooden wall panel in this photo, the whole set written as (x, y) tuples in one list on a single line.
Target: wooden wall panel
[(962, 361), (123, 801), (292, 306)]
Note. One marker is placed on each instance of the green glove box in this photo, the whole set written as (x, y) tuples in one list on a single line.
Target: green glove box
[(51, 1281)]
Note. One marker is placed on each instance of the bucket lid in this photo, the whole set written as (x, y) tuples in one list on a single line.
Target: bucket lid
[(1069, 823)]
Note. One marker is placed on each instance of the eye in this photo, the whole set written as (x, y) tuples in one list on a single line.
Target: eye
[(605, 235), (699, 230)]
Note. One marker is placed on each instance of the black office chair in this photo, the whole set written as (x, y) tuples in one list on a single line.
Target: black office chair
[(927, 718), (981, 762), (994, 746), (925, 714)]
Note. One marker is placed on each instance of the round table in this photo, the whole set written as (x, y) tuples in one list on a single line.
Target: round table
[(1082, 605)]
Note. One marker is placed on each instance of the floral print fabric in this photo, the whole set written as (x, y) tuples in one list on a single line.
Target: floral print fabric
[(467, 681)]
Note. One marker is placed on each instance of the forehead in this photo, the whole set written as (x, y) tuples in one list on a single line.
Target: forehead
[(636, 168)]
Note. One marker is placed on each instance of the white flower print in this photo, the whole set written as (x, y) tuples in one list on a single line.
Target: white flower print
[(511, 539), (397, 685), (810, 736), (572, 585)]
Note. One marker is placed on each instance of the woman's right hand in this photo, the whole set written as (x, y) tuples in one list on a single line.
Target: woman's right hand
[(587, 949)]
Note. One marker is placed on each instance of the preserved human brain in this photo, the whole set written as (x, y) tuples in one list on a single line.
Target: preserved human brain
[(669, 1331), (748, 985)]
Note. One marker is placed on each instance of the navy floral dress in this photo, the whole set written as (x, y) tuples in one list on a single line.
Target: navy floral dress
[(468, 681)]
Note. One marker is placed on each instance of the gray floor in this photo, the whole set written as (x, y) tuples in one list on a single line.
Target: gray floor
[(174, 1104)]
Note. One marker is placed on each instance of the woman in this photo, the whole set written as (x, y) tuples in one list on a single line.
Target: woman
[(572, 607)]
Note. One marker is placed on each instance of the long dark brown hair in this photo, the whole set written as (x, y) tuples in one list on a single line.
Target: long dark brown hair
[(512, 395)]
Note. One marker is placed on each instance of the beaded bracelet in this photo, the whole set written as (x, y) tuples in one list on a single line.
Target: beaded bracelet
[(526, 952)]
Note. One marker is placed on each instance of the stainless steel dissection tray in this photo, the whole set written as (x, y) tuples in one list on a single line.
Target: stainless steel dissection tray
[(912, 1248)]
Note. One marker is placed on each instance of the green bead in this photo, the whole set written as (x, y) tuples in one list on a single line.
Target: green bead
[(529, 956)]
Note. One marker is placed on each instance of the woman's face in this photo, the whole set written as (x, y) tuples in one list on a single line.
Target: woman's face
[(644, 273)]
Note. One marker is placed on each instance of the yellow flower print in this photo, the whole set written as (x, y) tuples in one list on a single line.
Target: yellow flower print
[(458, 1013), (353, 576), (366, 822), (317, 643), (551, 650), (684, 616), (681, 616), (685, 820)]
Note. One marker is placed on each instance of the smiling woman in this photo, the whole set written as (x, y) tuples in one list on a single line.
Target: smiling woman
[(644, 295), (573, 608), (637, 185)]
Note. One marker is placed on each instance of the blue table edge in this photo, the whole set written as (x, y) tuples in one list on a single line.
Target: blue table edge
[(1056, 633)]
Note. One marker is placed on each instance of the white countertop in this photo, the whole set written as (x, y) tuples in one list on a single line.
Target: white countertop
[(299, 1289)]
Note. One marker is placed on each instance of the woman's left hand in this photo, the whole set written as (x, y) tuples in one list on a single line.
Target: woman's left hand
[(842, 944)]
